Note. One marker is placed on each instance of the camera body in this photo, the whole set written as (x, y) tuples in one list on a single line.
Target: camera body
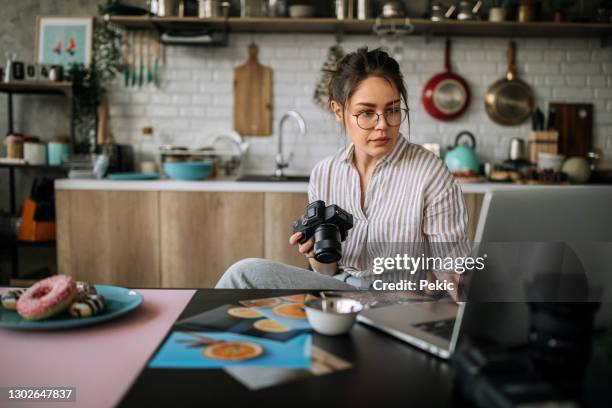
[(329, 225)]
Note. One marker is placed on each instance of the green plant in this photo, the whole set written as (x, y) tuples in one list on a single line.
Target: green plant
[(91, 83)]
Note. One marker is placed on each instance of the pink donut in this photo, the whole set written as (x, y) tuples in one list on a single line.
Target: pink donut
[(47, 298)]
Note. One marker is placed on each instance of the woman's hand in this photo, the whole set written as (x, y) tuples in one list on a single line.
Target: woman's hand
[(307, 250)]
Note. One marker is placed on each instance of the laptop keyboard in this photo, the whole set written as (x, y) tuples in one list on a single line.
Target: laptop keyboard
[(439, 328)]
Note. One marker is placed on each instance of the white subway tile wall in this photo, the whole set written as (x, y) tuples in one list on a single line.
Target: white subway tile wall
[(195, 100)]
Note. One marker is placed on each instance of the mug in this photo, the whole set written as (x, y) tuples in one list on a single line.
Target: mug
[(56, 151), (35, 153)]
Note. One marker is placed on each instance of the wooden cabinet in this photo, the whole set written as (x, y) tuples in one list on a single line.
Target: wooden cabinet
[(280, 210), (109, 236), (178, 238), (203, 233)]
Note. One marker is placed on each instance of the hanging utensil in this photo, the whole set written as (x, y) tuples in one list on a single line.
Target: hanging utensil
[(126, 61), (446, 95), (156, 62), (149, 56), (509, 101), (133, 69), (141, 62)]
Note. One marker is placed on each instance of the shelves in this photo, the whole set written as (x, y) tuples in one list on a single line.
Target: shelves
[(332, 25), (37, 87)]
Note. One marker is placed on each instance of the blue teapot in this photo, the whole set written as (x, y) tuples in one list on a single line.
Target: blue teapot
[(462, 157)]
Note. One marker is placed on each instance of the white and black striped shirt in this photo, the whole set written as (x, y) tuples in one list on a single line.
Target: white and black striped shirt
[(411, 197)]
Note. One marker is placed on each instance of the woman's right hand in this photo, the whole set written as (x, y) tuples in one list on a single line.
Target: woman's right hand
[(306, 248)]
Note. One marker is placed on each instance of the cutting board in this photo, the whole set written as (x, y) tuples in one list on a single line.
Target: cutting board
[(253, 97), (574, 122)]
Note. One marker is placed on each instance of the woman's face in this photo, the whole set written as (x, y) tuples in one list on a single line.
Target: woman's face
[(373, 95)]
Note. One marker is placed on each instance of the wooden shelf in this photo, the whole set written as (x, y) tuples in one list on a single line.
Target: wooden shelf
[(37, 87), (332, 25)]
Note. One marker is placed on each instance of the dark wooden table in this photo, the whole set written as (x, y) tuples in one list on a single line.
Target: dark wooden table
[(385, 372)]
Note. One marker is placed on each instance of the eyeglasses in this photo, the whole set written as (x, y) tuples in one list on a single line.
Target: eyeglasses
[(367, 120)]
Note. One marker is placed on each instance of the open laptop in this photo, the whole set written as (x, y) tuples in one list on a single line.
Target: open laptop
[(540, 215)]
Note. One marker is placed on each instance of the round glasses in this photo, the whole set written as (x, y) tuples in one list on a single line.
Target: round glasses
[(368, 120)]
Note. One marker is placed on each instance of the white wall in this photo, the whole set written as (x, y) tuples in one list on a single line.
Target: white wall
[(196, 94)]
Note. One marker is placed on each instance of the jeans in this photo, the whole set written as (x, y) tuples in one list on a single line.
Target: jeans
[(255, 273)]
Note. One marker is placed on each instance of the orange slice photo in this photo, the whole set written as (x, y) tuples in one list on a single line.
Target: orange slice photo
[(270, 326), (290, 310), (233, 351), (244, 313)]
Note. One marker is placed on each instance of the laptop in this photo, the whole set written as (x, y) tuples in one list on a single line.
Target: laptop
[(577, 215)]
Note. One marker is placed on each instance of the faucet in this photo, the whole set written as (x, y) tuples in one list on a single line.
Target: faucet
[(281, 163)]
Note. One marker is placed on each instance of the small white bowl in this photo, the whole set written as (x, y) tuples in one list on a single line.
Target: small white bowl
[(332, 316)]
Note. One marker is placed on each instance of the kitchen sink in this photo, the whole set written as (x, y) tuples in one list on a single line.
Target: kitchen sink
[(266, 177)]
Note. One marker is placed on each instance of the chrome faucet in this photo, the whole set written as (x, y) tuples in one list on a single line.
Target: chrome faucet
[(281, 162)]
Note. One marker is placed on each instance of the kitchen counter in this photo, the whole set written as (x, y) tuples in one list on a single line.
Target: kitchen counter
[(230, 185)]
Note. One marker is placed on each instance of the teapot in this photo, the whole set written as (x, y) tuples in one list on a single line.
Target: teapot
[(462, 157)]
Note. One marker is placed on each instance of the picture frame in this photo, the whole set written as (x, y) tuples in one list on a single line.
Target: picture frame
[(64, 40)]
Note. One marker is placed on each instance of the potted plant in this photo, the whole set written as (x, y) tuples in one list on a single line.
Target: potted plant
[(91, 83)]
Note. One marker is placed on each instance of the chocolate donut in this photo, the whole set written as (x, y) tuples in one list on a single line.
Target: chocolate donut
[(84, 289), (89, 306), (10, 298)]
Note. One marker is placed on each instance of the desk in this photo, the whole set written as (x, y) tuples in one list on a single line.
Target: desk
[(386, 372)]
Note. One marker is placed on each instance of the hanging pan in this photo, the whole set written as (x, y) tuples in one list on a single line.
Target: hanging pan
[(509, 101), (446, 95)]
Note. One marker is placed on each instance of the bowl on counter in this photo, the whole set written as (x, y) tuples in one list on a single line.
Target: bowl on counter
[(188, 170)]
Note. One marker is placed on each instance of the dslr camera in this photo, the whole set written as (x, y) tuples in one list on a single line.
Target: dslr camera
[(329, 225)]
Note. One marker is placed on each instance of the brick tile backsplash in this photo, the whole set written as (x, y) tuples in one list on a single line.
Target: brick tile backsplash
[(195, 100)]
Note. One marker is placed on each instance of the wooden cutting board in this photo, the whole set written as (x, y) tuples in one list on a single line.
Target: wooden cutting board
[(574, 121), (253, 97)]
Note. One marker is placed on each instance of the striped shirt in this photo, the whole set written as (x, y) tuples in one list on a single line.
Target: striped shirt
[(411, 197)]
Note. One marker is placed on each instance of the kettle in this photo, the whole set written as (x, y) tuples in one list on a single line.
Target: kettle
[(462, 157)]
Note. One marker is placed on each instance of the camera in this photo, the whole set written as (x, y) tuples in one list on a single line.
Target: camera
[(329, 225)]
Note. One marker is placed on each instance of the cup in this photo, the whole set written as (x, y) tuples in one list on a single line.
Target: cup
[(35, 153), (56, 151)]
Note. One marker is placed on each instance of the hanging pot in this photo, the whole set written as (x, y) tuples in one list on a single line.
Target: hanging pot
[(509, 101), (446, 95)]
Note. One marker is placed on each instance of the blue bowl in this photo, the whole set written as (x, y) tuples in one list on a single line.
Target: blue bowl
[(192, 170)]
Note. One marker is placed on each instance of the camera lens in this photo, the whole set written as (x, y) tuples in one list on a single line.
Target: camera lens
[(327, 247)]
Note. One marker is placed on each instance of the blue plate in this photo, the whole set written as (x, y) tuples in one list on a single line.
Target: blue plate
[(119, 301), (133, 176)]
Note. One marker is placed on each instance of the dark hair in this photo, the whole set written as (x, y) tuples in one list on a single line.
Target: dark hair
[(359, 65)]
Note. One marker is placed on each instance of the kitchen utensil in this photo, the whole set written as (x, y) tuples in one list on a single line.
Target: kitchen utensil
[(301, 11), (156, 63), (141, 61), (364, 9), (212, 8), (134, 73), (332, 316), (126, 60), (517, 149), (14, 146), (509, 101), (468, 10), (526, 12), (497, 14), (577, 170), (574, 122), (277, 8), (253, 97), (119, 301), (149, 58), (344, 9), (462, 157), (440, 12), (446, 95), (537, 120), (163, 8), (189, 170)]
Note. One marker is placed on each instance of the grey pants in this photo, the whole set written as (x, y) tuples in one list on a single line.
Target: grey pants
[(255, 273)]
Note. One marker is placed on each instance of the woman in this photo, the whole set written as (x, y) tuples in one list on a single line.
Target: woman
[(397, 191)]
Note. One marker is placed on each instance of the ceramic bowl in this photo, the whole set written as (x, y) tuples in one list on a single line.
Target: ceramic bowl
[(189, 170), (332, 316)]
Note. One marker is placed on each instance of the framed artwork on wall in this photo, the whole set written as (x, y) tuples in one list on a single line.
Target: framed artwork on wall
[(64, 40)]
